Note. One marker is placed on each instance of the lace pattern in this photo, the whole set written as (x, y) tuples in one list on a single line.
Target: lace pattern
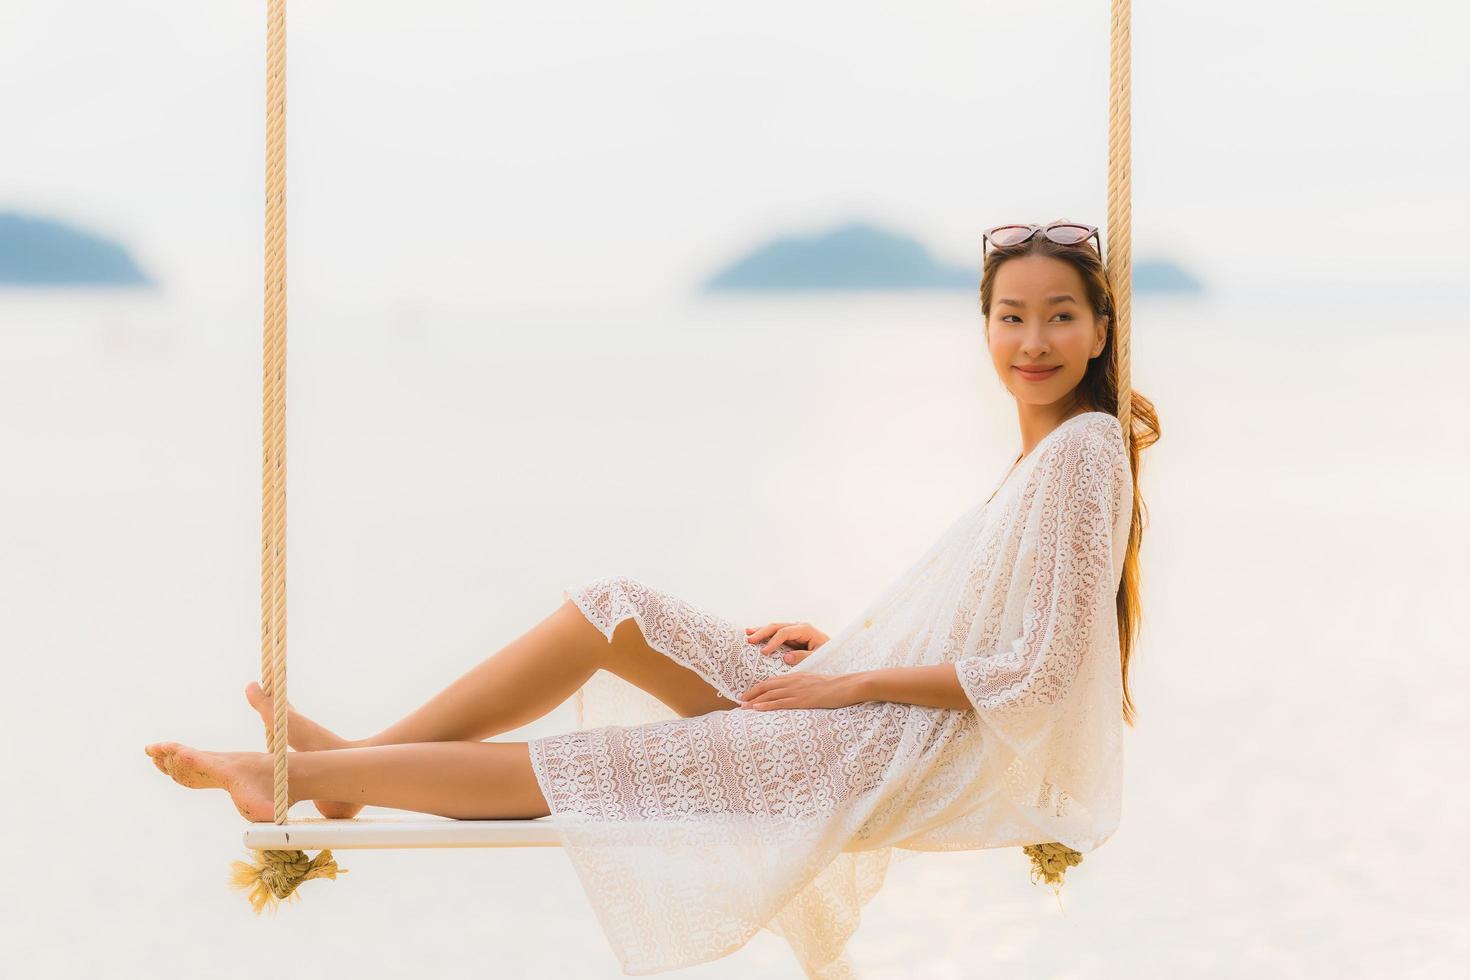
[(1069, 568), (713, 647), (691, 834)]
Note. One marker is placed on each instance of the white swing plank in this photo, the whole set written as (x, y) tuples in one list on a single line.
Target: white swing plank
[(412, 830), (417, 830)]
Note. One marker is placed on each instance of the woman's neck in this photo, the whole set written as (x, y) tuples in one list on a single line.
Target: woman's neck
[(1038, 423)]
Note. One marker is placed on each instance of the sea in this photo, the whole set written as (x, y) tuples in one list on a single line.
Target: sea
[(1296, 802)]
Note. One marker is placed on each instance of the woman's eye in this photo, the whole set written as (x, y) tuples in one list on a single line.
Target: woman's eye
[(1009, 315)]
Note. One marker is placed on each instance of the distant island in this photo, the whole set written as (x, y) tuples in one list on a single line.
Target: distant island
[(853, 256), (42, 252), (858, 255), (1162, 276)]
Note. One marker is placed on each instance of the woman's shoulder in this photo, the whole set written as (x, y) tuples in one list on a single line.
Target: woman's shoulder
[(1090, 433), (1090, 441), (1103, 419), (1080, 450)]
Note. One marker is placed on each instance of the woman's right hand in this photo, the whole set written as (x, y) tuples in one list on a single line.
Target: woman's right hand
[(802, 637)]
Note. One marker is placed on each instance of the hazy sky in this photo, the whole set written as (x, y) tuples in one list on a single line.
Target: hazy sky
[(632, 147)]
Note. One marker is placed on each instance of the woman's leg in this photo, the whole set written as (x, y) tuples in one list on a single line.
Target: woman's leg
[(514, 686), (463, 780), (541, 669)]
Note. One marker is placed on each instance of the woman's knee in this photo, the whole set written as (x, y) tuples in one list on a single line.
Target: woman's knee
[(579, 634)]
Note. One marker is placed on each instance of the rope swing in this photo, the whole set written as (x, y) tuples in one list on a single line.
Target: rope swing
[(275, 874), (277, 868), (1049, 862)]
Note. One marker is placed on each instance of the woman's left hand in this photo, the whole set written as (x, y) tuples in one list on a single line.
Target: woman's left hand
[(803, 689)]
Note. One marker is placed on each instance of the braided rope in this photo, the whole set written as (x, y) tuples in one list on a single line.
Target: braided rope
[(1120, 208), (273, 401), (1049, 862), (273, 875)]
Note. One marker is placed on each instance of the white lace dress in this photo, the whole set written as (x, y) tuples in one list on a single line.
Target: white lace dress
[(691, 834)]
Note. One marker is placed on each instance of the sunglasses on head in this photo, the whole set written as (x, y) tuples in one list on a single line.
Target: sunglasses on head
[(1061, 232)]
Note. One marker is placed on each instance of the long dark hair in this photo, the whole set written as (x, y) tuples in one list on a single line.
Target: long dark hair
[(1097, 392)]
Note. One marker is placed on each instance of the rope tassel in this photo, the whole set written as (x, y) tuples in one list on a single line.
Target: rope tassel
[(1049, 862), (275, 875)]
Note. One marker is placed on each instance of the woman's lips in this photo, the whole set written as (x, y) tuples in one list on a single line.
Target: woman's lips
[(1038, 375)]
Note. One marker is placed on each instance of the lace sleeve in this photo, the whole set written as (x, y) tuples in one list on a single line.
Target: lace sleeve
[(1068, 544)]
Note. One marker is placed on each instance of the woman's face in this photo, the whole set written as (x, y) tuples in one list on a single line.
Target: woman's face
[(1028, 327)]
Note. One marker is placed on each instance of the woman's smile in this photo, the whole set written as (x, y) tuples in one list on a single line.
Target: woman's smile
[(1034, 375)]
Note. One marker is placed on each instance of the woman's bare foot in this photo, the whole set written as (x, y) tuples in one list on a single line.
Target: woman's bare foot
[(246, 776), (304, 735)]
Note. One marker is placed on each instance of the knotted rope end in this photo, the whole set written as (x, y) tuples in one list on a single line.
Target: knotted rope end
[(274, 876), (1049, 862)]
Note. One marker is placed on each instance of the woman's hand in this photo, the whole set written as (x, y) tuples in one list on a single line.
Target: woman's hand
[(803, 690), (803, 637)]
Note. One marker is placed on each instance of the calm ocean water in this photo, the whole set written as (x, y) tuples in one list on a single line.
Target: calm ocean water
[(1295, 802)]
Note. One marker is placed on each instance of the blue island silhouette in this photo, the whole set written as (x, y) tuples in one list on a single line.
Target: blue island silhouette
[(860, 255), (38, 251)]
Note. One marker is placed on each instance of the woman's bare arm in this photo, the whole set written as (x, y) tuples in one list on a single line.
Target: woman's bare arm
[(934, 686)]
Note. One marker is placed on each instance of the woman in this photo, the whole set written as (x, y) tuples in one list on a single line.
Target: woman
[(978, 702)]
